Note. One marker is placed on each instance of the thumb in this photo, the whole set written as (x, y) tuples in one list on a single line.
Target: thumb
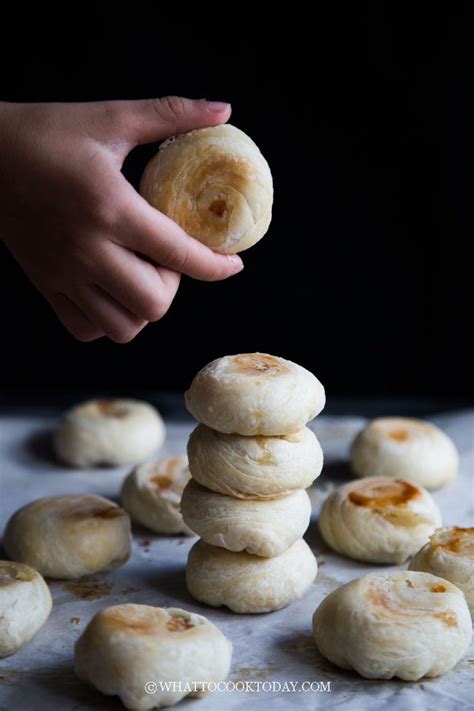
[(153, 120)]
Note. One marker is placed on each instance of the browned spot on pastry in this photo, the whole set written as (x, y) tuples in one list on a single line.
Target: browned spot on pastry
[(257, 363), (74, 620), (179, 624), (223, 162), (88, 589), (90, 507), (161, 482), (378, 598), (388, 607), (167, 472), (377, 496), (122, 620), (218, 207), (127, 618), (11, 572), (437, 588), (400, 428), (106, 406), (172, 463), (399, 435), (111, 408), (111, 512), (448, 617), (231, 173), (461, 540)]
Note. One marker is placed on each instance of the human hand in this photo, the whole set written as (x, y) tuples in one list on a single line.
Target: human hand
[(105, 260)]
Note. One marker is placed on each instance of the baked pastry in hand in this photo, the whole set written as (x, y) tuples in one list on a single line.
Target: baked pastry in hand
[(450, 555), (25, 604), (403, 624), (254, 394), (378, 520), (151, 495), (109, 432), (128, 650), (258, 467), (70, 536), (401, 447), (249, 583), (215, 184), (266, 528)]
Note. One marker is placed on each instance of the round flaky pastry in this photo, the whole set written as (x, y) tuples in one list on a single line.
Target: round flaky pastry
[(69, 536), (152, 492), (25, 604), (255, 394), (400, 447), (215, 184), (378, 520), (258, 467), (450, 555), (403, 624), (265, 528), (109, 433), (249, 583), (129, 650)]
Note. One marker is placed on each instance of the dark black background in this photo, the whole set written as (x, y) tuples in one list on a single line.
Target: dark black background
[(362, 113)]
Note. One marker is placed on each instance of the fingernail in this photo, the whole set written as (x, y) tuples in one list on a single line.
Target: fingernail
[(217, 106), (236, 264)]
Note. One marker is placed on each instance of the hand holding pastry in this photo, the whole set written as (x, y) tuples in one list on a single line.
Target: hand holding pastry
[(105, 260)]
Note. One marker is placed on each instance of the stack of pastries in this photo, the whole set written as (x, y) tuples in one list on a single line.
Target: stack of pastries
[(251, 459)]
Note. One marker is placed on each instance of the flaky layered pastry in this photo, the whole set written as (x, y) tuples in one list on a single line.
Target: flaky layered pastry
[(249, 583), (450, 555), (128, 650), (215, 184), (25, 604), (401, 447), (151, 495), (378, 519), (69, 536), (254, 394), (266, 528), (405, 624), (257, 467), (109, 432)]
